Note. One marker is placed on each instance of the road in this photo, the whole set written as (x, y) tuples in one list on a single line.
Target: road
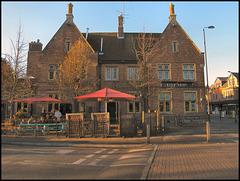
[(32, 162)]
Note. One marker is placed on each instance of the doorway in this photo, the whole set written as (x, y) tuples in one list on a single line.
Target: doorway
[(112, 109)]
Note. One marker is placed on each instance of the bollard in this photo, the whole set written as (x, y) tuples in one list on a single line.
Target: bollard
[(163, 123), (208, 131), (148, 131)]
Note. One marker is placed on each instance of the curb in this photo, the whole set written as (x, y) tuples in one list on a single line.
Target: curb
[(91, 145), (148, 165)]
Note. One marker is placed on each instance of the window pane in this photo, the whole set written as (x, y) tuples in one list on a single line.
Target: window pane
[(166, 67), (108, 74), (167, 96), (136, 73), (130, 107), (130, 73), (24, 107), (191, 67), (161, 97), (186, 105), (186, 96), (160, 67), (166, 75), (193, 96), (137, 107), (174, 47), (51, 75), (191, 75), (114, 72), (167, 106), (185, 75), (51, 67), (161, 106), (185, 67), (19, 106), (160, 75), (193, 107)]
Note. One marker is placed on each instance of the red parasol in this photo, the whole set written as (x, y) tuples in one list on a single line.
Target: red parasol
[(106, 94), (37, 99)]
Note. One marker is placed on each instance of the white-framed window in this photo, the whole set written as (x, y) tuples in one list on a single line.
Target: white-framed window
[(111, 73), (134, 106), (53, 72), (164, 72), (165, 102), (188, 71), (133, 73), (190, 102)]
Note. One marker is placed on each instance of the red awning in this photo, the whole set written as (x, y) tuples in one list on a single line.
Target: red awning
[(106, 94), (37, 99)]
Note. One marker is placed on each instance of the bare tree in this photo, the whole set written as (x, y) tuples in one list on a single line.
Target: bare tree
[(18, 85), (146, 48), (76, 73)]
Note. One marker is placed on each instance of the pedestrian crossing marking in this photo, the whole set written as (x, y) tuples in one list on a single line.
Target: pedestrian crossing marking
[(94, 162), (79, 161), (114, 150), (99, 151), (64, 152), (132, 156), (90, 155), (136, 150), (104, 156)]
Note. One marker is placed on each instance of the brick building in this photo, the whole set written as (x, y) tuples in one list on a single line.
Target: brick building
[(224, 94), (179, 72)]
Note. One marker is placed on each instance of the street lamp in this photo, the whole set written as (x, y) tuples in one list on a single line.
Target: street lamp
[(209, 27)]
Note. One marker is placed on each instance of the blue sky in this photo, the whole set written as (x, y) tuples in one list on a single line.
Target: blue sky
[(42, 19)]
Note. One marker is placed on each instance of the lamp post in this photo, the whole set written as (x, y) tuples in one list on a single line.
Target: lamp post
[(208, 27), (234, 96)]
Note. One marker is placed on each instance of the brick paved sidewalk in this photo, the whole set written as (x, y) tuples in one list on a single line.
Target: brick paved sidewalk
[(218, 159), (195, 161)]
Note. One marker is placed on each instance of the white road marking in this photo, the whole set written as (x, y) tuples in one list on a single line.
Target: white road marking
[(99, 151), (90, 155), (94, 162), (104, 156), (79, 161), (128, 164), (64, 152), (132, 156), (114, 150), (136, 150)]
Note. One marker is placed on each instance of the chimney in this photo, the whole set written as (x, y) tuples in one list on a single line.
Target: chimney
[(120, 34), (172, 16), (70, 15)]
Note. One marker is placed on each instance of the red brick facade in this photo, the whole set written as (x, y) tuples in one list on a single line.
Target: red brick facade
[(181, 92)]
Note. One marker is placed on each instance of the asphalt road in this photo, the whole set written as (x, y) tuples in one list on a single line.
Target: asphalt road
[(32, 162)]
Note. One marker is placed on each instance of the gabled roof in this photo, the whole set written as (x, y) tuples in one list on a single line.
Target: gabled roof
[(222, 79), (66, 23), (114, 48), (235, 75)]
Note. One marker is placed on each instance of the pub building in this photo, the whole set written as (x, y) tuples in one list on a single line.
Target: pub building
[(179, 88)]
